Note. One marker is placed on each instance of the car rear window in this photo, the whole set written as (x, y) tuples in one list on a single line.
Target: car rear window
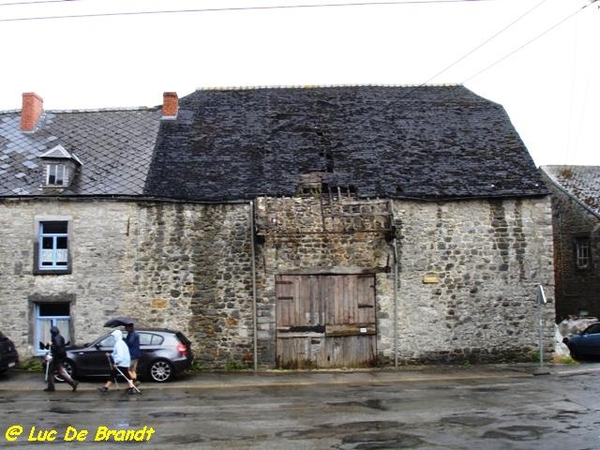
[(150, 339)]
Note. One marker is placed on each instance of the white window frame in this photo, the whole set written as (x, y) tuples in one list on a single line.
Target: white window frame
[(56, 175), (583, 253)]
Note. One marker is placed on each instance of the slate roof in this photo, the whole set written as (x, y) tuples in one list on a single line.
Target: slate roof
[(114, 146), (426, 142), (581, 183)]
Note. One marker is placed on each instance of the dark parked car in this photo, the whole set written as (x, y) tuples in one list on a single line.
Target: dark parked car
[(165, 354), (585, 344), (9, 357)]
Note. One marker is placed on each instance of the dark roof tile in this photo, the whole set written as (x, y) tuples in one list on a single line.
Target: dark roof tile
[(582, 183), (114, 146), (396, 142)]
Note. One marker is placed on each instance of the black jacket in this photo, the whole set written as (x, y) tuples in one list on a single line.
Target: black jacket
[(57, 344)]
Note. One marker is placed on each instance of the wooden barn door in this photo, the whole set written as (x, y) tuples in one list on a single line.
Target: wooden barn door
[(325, 321)]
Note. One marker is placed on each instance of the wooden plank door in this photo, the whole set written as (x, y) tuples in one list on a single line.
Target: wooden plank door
[(325, 321)]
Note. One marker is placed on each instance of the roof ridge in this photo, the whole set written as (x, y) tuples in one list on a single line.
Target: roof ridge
[(97, 110), (91, 110), (318, 86)]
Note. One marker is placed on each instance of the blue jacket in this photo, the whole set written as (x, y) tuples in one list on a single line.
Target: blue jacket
[(133, 342)]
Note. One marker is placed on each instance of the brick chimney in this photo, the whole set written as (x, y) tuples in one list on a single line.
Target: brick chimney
[(33, 107), (170, 104)]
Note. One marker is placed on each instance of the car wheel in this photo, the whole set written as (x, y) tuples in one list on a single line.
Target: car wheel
[(68, 365), (574, 353), (161, 371)]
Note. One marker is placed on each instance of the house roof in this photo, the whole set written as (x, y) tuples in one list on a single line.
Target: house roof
[(426, 142), (581, 183), (114, 148)]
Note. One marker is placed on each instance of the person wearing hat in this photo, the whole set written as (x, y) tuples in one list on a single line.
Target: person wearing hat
[(58, 351), (120, 361)]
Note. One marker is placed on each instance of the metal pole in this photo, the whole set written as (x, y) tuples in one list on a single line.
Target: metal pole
[(396, 286), (254, 303), (541, 324), (541, 301)]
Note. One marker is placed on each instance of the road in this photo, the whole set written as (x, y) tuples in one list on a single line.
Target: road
[(526, 412)]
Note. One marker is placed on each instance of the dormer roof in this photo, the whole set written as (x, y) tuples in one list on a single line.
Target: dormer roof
[(59, 152)]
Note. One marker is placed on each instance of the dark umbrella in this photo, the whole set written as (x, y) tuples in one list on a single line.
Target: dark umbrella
[(120, 321)]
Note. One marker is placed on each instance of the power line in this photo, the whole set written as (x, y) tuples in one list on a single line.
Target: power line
[(227, 9), (415, 88), (556, 25), (485, 42), (36, 2)]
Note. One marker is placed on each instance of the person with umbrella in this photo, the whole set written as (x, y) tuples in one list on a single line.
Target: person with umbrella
[(133, 342), (119, 364), (58, 353)]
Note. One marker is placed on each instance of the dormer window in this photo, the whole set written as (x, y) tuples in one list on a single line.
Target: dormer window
[(57, 174), (61, 168)]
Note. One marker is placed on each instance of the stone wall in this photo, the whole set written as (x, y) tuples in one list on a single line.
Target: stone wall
[(182, 267), (467, 275), (99, 284), (466, 272), (193, 271), (469, 270)]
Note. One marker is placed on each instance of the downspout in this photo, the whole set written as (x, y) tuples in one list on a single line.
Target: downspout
[(396, 286), (254, 307)]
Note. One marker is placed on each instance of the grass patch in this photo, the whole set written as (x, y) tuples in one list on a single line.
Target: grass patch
[(31, 365), (564, 360)]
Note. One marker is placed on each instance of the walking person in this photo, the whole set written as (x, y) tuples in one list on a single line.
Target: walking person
[(58, 351), (119, 364), (133, 342)]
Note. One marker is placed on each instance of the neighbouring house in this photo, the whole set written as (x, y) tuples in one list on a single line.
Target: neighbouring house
[(576, 223), (281, 227), (69, 183)]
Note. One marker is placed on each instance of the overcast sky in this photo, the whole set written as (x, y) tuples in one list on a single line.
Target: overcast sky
[(537, 58)]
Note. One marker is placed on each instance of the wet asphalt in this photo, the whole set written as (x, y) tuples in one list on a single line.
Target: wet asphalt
[(496, 407)]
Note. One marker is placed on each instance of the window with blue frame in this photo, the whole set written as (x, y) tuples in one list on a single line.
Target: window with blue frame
[(53, 253)]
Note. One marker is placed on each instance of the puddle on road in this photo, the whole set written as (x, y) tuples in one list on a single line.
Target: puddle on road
[(379, 440), (59, 410), (517, 433), (487, 389), (169, 414), (468, 421), (371, 404), (360, 435), (565, 415)]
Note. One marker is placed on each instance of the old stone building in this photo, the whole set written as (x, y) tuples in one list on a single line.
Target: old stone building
[(281, 227), (576, 220)]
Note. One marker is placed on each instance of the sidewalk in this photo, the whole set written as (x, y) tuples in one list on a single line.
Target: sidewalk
[(25, 381)]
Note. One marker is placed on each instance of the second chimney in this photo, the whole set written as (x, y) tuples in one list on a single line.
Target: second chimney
[(170, 104), (33, 107)]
